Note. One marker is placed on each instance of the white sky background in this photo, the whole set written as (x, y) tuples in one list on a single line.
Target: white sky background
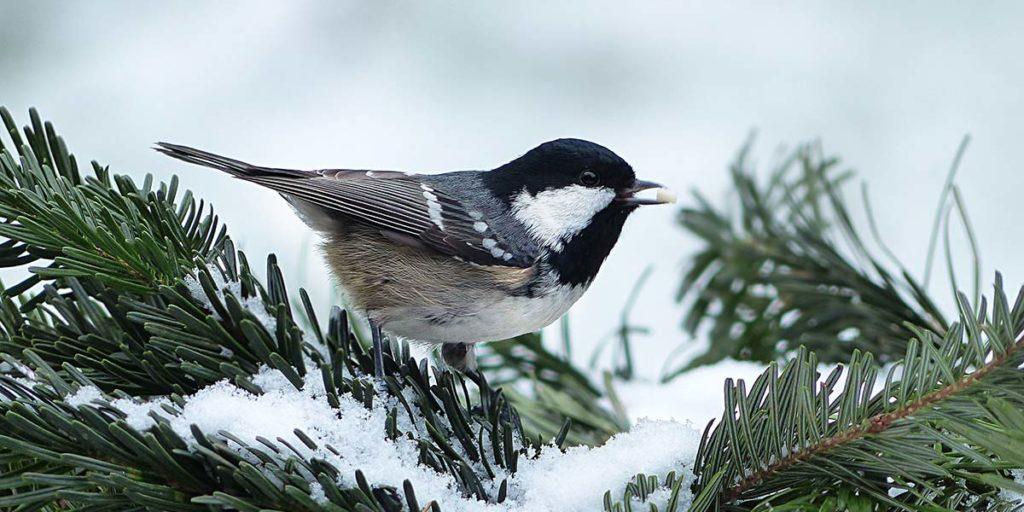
[(431, 86)]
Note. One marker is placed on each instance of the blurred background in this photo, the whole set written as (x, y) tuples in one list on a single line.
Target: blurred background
[(675, 88)]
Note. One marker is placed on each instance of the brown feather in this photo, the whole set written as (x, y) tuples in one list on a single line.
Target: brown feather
[(380, 273)]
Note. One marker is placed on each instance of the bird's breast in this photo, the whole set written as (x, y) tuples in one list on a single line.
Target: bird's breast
[(424, 296), (500, 316)]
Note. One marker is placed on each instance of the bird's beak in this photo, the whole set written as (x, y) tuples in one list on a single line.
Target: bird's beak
[(629, 197)]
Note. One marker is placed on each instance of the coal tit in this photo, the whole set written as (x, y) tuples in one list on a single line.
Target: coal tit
[(461, 257)]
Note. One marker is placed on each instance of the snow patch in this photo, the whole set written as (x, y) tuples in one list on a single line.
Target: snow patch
[(1014, 496), (84, 395), (9, 368), (576, 480), (553, 481), (254, 304)]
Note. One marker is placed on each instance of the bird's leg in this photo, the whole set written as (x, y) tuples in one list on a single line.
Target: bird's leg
[(378, 350), (459, 356)]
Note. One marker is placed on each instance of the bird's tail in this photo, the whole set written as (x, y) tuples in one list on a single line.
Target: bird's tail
[(231, 166)]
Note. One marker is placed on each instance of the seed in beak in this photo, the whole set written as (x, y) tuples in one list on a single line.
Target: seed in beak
[(630, 196)]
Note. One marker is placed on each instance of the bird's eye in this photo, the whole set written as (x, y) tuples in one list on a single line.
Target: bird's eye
[(589, 178)]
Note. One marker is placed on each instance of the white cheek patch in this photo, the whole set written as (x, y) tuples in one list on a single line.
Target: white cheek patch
[(554, 216)]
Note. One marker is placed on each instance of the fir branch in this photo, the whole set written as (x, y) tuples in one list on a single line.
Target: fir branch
[(659, 494), (874, 425), (790, 269), (791, 436), (560, 392), (95, 441), (131, 237)]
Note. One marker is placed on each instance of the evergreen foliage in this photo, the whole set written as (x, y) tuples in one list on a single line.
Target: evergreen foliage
[(791, 270), (940, 434), (136, 289), (784, 267), (558, 391)]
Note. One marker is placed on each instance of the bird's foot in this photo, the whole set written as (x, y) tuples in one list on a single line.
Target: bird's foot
[(460, 357)]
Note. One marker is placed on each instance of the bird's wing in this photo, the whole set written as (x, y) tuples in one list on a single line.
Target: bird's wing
[(401, 205)]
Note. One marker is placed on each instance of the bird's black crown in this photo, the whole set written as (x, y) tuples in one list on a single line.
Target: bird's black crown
[(561, 163)]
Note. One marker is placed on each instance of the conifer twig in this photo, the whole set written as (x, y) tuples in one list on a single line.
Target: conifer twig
[(874, 425)]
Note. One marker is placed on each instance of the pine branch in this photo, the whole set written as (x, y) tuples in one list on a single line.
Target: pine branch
[(790, 269), (129, 237), (658, 494), (96, 439), (792, 436), (874, 425), (560, 392)]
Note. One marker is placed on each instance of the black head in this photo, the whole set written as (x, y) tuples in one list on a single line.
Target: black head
[(561, 163), (573, 197)]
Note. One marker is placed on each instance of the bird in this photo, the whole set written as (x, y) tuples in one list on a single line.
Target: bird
[(461, 257)]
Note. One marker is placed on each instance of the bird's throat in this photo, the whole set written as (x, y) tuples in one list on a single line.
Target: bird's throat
[(579, 259)]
